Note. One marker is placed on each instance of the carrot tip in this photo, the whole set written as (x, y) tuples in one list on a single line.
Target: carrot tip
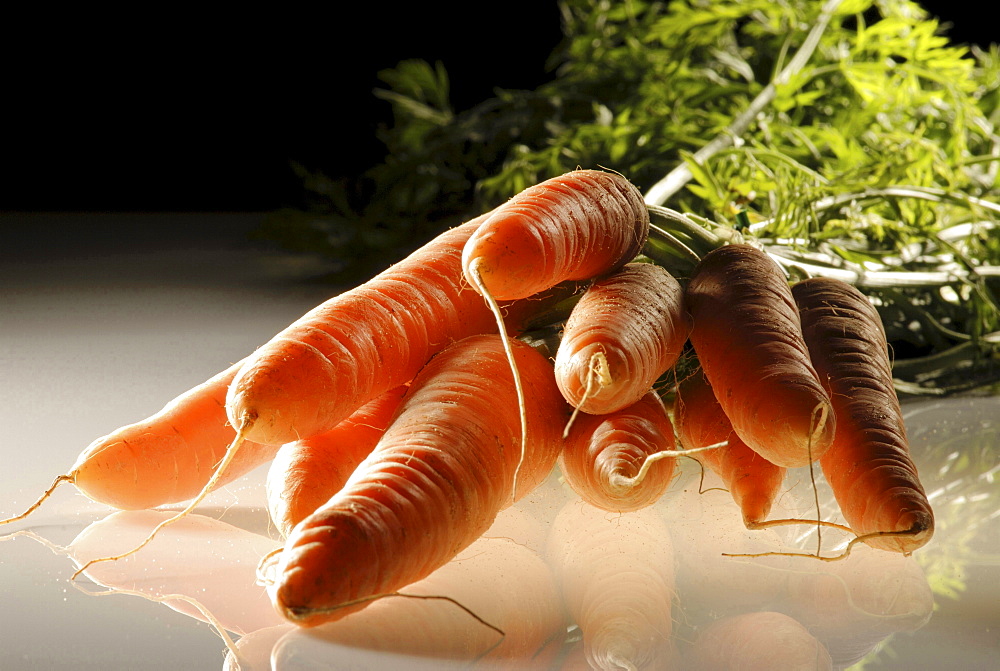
[(68, 477)]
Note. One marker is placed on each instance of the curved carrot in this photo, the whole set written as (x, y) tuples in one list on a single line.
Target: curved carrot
[(576, 226), (361, 343), (757, 641), (434, 483), (603, 454), (869, 467), (626, 331), (306, 473), (617, 577), (166, 458), (746, 333), (753, 481)]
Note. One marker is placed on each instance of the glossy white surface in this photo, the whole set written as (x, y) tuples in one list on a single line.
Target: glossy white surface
[(93, 337)]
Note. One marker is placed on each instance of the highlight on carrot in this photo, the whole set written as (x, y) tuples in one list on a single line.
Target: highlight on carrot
[(577, 226), (753, 481), (868, 467), (306, 473), (748, 339), (166, 458), (603, 456), (434, 483), (626, 331), (616, 572)]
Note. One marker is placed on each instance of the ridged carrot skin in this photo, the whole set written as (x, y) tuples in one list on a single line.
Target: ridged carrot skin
[(170, 456), (361, 343), (747, 335), (306, 473), (602, 453), (753, 481), (631, 326), (576, 226), (869, 467), (434, 483)]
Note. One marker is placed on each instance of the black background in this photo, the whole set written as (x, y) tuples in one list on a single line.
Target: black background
[(188, 112)]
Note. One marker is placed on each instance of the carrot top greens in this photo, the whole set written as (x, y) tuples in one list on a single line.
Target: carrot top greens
[(852, 136)]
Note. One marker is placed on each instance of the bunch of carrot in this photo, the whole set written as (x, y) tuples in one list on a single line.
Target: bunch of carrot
[(403, 415)]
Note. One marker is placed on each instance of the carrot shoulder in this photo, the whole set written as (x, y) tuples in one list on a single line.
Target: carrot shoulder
[(361, 343), (869, 467), (752, 480), (434, 483), (576, 226), (306, 473), (747, 335), (603, 455), (626, 330)]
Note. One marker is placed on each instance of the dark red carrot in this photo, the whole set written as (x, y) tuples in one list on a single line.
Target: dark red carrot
[(604, 455), (747, 335), (869, 467), (626, 331), (434, 483), (753, 481)]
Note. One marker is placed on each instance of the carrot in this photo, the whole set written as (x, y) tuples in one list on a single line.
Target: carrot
[(617, 577), (752, 480), (576, 226), (494, 606), (604, 454), (869, 468), (306, 473), (626, 331), (434, 483), (746, 333), (361, 343), (166, 458), (755, 641)]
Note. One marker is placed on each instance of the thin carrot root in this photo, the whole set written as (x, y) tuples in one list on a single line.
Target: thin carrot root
[(220, 470), (598, 377), (304, 612), (624, 482), (266, 566), (863, 538), (505, 339), (68, 477)]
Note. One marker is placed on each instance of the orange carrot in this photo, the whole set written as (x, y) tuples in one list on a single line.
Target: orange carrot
[(757, 641), (625, 332), (306, 473), (361, 343), (434, 483), (577, 226), (753, 481), (617, 577), (603, 455), (166, 458), (451, 615), (869, 468), (746, 333)]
